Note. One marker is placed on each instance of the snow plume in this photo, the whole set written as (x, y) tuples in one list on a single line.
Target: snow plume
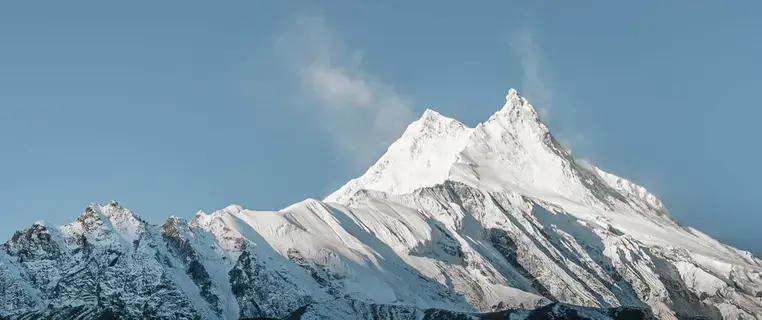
[(576, 139), (538, 88), (533, 83), (360, 113)]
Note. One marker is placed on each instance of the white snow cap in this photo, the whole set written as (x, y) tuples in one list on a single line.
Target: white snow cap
[(512, 93), (430, 114), (512, 145)]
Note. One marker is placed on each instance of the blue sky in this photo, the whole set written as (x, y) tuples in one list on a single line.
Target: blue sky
[(173, 107)]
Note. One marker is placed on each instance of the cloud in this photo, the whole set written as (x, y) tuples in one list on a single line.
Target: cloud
[(360, 113), (585, 163), (538, 88)]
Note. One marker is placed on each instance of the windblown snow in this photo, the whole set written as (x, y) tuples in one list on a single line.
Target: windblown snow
[(454, 218)]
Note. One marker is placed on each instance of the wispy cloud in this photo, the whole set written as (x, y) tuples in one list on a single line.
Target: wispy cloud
[(537, 86), (361, 114), (534, 84)]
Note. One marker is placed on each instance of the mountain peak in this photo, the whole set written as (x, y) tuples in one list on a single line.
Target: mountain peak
[(512, 94), (422, 156), (513, 146), (430, 114), (431, 146), (517, 108), (432, 122)]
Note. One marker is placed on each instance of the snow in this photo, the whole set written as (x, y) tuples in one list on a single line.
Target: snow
[(451, 217), (514, 151), (421, 157)]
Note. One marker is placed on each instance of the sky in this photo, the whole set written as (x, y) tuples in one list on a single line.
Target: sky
[(172, 107)]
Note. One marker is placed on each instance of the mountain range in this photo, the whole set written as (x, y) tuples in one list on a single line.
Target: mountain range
[(498, 221)]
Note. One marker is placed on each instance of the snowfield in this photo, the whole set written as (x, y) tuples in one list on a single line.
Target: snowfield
[(451, 220)]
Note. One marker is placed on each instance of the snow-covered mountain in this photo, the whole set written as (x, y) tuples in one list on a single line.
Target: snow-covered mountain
[(347, 309), (452, 219)]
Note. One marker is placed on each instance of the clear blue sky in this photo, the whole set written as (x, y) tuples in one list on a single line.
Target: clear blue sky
[(175, 106)]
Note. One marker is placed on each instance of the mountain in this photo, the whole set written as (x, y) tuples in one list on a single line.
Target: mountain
[(462, 222), (352, 309)]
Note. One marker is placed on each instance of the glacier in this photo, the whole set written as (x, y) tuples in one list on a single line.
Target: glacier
[(451, 221)]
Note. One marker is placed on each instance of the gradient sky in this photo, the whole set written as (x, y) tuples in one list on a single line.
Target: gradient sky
[(176, 106)]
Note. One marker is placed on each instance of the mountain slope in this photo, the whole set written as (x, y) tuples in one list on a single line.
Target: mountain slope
[(350, 310), (465, 219)]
